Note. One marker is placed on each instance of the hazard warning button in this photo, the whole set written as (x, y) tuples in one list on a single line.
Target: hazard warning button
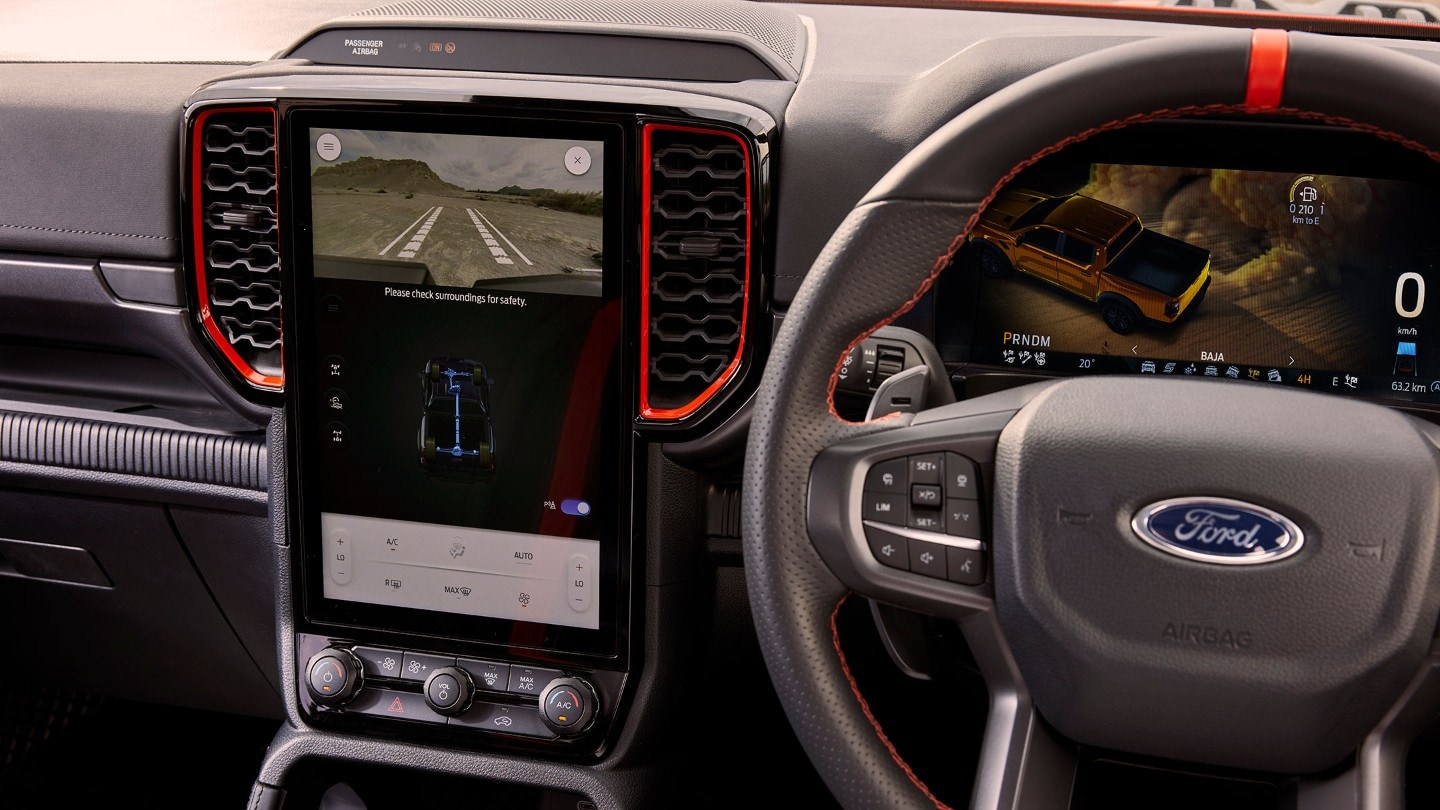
[(394, 704)]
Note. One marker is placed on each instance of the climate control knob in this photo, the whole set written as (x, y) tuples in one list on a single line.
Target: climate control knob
[(333, 676), (568, 706), (449, 690)]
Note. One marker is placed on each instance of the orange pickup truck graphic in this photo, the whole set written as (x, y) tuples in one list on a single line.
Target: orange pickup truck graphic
[(1096, 251)]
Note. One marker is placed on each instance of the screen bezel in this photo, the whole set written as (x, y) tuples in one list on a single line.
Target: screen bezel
[(523, 639)]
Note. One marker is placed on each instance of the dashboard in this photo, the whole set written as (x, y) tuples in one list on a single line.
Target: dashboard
[(423, 381)]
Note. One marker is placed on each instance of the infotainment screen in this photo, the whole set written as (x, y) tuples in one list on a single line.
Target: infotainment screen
[(1298, 277), (459, 376)]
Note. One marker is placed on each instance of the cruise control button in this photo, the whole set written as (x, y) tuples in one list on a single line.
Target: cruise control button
[(930, 520), (965, 566), (522, 720), (418, 666), (927, 495), (927, 558), (962, 518), (392, 703), (531, 680), (889, 548), (962, 480), (887, 476), (379, 662), (884, 508), (487, 674), (927, 469)]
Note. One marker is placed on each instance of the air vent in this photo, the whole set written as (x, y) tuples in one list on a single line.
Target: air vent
[(696, 266), (236, 250)]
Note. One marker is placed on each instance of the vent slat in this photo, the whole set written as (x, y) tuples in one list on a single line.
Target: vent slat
[(237, 247), (698, 260)]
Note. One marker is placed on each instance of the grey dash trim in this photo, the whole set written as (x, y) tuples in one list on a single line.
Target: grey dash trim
[(231, 461)]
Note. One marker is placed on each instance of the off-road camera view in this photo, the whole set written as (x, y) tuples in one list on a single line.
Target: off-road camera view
[(455, 210)]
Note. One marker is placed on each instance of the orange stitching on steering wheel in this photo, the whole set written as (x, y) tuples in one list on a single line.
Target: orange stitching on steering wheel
[(865, 707)]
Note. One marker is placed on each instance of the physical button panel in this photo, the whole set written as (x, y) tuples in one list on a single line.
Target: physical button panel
[(422, 687), (922, 513)]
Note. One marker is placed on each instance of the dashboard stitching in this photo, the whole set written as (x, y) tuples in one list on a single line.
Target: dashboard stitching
[(865, 708), (88, 233), (943, 260)]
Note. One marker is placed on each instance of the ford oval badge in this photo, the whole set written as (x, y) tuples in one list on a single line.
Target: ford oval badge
[(1218, 530)]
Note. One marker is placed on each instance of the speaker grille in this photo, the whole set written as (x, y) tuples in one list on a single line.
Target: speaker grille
[(696, 266), (236, 238)]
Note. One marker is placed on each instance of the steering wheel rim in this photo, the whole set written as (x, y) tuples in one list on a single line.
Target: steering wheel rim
[(886, 255)]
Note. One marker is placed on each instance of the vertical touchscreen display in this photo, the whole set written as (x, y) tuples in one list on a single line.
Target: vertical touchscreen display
[(460, 367)]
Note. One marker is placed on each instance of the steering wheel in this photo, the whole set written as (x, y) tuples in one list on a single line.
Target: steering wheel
[(1287, 667)]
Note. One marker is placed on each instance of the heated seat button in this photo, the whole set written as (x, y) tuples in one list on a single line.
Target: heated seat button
[(962, 518), (965, 566), (927, 469), (887, 476), (889, 548), (961, 478), (884, 508), (927, 558), (394, 704)]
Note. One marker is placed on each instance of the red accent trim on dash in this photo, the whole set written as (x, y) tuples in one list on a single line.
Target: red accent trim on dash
[(869, 715), (1265, 79), (720, 382), (197, 151)]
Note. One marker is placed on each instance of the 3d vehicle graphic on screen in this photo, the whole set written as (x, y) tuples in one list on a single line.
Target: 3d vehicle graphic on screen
[(456, 434), (1096, 251)]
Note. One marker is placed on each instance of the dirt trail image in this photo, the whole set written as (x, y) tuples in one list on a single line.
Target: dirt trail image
[(379, 210)]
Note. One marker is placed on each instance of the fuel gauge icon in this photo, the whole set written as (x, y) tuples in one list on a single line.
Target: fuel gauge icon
[(1405, 359)]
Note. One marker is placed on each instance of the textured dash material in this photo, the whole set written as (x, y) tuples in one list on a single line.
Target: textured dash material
[(231, 461), (774, 28)]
